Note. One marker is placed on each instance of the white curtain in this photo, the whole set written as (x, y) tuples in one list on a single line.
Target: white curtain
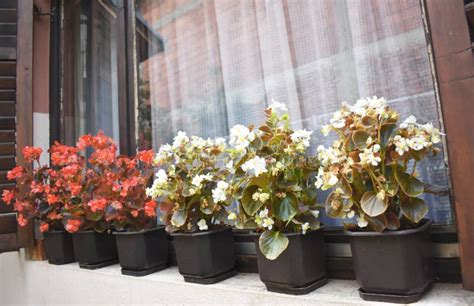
[(224, 60)]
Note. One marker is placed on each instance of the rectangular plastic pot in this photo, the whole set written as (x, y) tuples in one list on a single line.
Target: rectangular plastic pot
[(58, 247), (94, 250), (393, 266), (300, 269), (143, 252), (205, 257)]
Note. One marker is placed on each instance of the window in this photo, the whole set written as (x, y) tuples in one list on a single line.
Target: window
[(91, 63), (205, 65)]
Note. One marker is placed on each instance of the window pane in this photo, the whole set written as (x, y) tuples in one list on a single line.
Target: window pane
[(207, 65), (94, 66)]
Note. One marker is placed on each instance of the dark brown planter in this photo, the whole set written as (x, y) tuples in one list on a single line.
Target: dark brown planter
[(300, 269), (58, 247), (205, 257), (393, 266), (94, 250), (144, 252)]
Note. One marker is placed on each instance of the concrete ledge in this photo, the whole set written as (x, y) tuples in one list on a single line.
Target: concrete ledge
[(33, 282)]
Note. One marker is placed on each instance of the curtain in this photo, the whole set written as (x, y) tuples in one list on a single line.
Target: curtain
[(223, 61)]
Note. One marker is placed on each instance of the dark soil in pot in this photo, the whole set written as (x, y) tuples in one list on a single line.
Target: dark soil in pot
[(300, 269), (205, 257), (143, 252), (58, 247), (393, 266), (94, 250)]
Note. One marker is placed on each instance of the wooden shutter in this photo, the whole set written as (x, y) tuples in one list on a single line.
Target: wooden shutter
[(15, 68)]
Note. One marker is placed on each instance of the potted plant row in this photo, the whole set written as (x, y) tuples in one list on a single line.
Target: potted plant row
[(263, 180)]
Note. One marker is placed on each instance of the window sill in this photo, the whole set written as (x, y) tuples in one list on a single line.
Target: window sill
[(43, 283)]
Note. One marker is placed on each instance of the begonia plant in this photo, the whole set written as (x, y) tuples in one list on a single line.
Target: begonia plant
[(190, 185), (372, 167), (273, 180)]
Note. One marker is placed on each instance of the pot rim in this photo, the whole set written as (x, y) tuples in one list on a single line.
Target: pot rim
[(56, 231), (215, 230), (92, 231), (409, 231), (321, 228), (143, 231)]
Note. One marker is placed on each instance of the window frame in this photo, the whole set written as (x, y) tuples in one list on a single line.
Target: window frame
[(448, 269)]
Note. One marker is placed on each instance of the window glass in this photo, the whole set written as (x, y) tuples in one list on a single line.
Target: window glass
[(206, 65), (93, 26)]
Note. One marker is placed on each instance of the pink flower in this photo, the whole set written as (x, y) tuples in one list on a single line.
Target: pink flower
[(8, 197), (21, 220), (44, 227), (72, 225), (97, 205), (150, 208)]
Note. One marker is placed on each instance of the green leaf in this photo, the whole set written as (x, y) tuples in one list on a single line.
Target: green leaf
[(250, 206), (178, 218), (272, 244), (411, 186), (372, 205), (378, 223), (393, 223), (360, 139), (94, 216), (333, 205), (346, 187), (414, 209), (285, 208), (386, 132)]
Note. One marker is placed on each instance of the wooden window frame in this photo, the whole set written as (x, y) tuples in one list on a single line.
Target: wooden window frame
[(456, 119)]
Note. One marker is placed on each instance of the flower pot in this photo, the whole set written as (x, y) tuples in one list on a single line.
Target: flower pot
[(143, 252), (300, 269), (205, 257), (94, 250), (58, 247), (393, 266)]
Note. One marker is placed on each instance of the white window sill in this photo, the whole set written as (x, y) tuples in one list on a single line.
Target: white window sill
[(33, 282)]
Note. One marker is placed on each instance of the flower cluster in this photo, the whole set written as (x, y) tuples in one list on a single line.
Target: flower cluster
[(107, 193), (371, 168), (190, 185), (273, 180)]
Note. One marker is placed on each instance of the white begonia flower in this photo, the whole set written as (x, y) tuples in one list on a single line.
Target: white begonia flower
[(232, 216), (411, 120), (220, 142), (180, 139), (301, 137), (161, 178), (417, 143), (278, 108), (367, 157), (361, 222), (401, 145), (198, 142), (319, 178), (263, 213), (241, 137), (164, 152), (268, 223), (325, 129), (434, 133), (198, 179), (350, 214), (304, 228), (219, 193), (255, 166), (202, 225), (315, 213), (378, 104), (360, 107)]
